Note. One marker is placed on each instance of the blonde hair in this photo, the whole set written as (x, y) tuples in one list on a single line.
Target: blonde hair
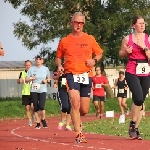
[(77, 14)]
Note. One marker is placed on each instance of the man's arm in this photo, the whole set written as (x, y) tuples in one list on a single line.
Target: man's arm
[(98, 57), (59, 54), (97, 50), (58, 62)]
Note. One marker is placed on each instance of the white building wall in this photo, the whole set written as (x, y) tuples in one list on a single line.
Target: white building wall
[(10, 88)]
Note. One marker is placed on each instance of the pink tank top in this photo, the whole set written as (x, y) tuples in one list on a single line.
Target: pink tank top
[(137, 54)]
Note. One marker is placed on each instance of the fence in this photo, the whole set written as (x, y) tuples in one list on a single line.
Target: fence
[(10, 88)]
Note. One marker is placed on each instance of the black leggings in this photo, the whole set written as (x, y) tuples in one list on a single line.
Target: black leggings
[(139, 86), (38, 100), (64, 102)]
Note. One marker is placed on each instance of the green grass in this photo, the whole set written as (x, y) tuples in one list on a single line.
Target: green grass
[(112, 127), (13, 108)]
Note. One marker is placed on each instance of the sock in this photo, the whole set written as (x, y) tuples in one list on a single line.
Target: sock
[(38, 124), (132, 122)]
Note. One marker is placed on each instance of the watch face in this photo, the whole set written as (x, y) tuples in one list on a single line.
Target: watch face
[(145, 49)]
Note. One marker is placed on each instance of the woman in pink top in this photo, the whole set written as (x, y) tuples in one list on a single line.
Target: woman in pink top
[(137, 48)]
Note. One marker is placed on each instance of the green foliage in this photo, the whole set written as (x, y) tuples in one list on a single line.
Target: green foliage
[(111, 126), (107, 21), (13, 108)]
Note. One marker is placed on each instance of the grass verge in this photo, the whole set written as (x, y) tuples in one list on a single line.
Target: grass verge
[(13, 108), (112, 127)]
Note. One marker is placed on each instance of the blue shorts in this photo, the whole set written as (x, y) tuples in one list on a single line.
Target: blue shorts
[(84, 89), (64, 102)]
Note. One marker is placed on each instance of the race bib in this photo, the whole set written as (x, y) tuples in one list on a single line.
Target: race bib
[(121, 90), (35, 86), (98, 86), (142, 68), (81, 78), (63, 82)]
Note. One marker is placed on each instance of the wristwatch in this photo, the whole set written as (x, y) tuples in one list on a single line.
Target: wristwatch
[(145, 49), (95, 60)]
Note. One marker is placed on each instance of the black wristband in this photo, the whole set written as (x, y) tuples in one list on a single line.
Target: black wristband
[(43, 82), (95, 60), (145, 49)]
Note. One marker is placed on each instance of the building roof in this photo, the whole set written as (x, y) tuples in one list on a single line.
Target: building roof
[(12, 64)]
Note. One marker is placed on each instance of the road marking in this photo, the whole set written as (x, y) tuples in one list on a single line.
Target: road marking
[(46, 141)]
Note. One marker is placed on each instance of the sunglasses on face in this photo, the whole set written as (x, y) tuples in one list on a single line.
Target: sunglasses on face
[(78, 23)]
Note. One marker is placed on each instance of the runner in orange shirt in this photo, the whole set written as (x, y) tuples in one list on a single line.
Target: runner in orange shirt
[(77, 50)]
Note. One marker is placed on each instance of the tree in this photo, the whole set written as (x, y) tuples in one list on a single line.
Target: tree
[(108, 21), (49, 57)]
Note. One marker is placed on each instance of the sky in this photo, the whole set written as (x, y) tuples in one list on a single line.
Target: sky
[(14, 50)]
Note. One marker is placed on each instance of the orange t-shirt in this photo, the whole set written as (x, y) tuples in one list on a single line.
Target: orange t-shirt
[(76, 51)]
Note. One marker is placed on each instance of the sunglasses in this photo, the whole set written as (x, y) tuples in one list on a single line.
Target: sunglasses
[(78, 23)]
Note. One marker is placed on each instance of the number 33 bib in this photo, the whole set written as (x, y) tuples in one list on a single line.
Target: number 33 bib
[(81, 78), (142, 68)]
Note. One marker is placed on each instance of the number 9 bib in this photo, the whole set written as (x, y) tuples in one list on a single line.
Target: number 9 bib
[(81, 78), (142, 68)]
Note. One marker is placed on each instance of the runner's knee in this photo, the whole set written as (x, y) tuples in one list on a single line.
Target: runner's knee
[(75, 105), (123, 104), (83, 113)]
